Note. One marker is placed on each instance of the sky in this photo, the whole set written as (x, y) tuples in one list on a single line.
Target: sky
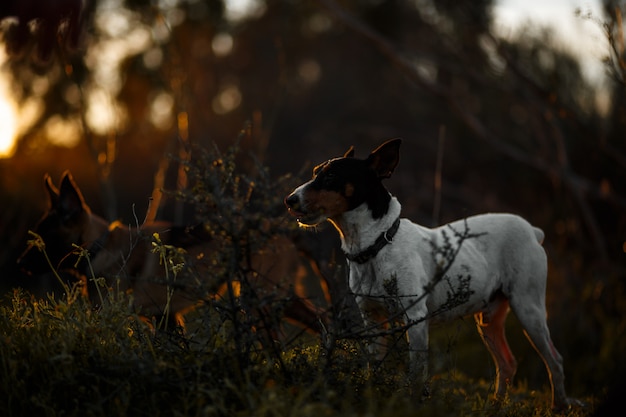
[(581, 37)]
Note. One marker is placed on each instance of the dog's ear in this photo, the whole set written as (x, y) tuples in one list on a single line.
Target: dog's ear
[(53, 193), (349, 153), (70, 202), (384, 159)]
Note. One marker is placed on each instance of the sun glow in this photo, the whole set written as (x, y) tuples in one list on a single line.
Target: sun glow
[(8, 129), (8, 114)]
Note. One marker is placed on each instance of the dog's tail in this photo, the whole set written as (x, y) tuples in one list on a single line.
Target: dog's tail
[(539, 235)]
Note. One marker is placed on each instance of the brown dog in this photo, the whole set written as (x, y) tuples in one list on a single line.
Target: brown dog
[(125, 258)]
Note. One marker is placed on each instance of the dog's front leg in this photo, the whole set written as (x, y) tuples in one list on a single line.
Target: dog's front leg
[(418, 359), (374, 317)]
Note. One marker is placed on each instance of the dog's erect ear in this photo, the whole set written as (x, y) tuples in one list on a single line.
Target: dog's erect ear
[(53, 193), (349, 153), (384, 159), (71, 201)]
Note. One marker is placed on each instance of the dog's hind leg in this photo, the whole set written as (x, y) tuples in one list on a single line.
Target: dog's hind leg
[(533, 320), (490, 326)]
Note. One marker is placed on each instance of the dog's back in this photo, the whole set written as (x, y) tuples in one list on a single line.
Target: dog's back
[(492, 252)]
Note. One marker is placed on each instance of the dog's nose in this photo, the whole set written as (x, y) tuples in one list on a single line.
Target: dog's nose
[(292, 201)]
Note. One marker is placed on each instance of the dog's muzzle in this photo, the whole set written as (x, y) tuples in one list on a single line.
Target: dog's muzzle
[(292, 201), (298, 210)]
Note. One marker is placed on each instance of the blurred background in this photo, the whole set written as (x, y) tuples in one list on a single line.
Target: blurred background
[(514, 106)]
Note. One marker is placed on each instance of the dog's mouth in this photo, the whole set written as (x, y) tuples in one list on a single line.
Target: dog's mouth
[(306, 215), (296, 213), (305, 219)]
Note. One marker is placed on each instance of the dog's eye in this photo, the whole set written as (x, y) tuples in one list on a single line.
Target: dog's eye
[(329, 178)]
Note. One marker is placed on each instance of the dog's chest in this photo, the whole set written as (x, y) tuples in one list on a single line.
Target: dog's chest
[(364, 280), (384, 276), (395, 270), (406, 271)]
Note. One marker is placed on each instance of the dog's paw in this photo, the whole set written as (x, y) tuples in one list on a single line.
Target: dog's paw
[(418, 392), (568, 404), (424, 394)]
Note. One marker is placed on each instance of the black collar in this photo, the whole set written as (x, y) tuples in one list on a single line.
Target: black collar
[(371, 252)]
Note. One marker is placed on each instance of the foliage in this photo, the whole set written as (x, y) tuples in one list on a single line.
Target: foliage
[(59, 357), (232, 198), (240, 213)]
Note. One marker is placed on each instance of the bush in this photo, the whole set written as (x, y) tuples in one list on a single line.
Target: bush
[(59, 357)]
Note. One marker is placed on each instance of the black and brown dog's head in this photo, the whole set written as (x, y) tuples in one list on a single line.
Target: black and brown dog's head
[(343, 184), (62, 225)]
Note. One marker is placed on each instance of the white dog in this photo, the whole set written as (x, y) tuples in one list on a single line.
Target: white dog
[(481, 265)]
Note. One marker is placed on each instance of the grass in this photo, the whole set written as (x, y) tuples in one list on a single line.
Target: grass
[(60, 357)]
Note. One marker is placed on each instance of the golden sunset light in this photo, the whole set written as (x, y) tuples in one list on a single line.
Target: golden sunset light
[(8, 114), (8, 129)]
